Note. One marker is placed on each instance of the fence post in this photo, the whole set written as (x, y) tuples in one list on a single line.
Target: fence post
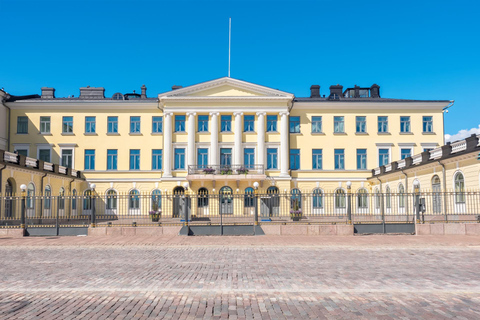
[(93, 218), (349, 202), (56, 218), (185, 211), (382, 203), (22, 213)]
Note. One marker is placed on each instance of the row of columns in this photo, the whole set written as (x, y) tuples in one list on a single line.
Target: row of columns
[(168, 147)]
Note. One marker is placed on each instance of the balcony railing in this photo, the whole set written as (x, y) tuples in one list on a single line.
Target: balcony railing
[(227, 170)]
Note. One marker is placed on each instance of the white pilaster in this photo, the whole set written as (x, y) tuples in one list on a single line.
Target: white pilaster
[(191, 139), (214, 138), (261, 138), (167, 145), (238, 138), (284, 132)]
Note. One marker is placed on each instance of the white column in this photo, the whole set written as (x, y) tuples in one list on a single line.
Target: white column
[(284, 132), (191, 139), (167, 145), (214, 138), (238, 138), (261, 138)]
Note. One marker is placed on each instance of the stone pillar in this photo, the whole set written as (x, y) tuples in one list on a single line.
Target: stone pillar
[(191, 139), (261, 139), (238, 138), (167, 145), (284, 133), (214, 138)]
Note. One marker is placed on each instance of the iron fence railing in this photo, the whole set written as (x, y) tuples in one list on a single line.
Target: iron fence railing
[(237, 208), (227, 169)]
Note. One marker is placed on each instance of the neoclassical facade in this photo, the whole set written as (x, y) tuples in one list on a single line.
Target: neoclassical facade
[(221, 136)]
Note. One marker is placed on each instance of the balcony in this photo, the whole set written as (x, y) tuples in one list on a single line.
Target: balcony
[(222, 172)]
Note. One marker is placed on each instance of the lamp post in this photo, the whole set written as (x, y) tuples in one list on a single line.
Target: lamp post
[(23, 188), (255, 187), (416, 186), (349, 202), (92, 205)]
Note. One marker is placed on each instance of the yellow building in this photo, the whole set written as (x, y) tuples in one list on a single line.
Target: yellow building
[(222, 136)]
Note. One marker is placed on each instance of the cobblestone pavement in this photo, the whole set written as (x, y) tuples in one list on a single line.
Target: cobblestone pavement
[(378, 277)]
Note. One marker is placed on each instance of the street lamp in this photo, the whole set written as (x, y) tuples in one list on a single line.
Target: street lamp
[(349, 202)]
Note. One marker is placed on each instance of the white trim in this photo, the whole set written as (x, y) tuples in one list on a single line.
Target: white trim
[(44, 146), (22, 146), (407, 146), (384, 146), (432, 145), (73, 155)]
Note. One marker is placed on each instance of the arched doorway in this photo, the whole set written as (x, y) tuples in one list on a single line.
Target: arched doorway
[(270, 204), (437, 196), (226, 200), (202, 202), (178, 202), (9, 187)]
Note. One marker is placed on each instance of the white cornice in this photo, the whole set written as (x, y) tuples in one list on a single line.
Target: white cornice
[(79, 106), (364, 105)]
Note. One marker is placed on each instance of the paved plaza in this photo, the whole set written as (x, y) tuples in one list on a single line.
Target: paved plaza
[(171, 277)]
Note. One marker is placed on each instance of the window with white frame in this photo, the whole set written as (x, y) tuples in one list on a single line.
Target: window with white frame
[(405, 153), (427, 124), (383, 156), (44, 125), (382, 124), (317, 124), (272, 156), (405, 124)]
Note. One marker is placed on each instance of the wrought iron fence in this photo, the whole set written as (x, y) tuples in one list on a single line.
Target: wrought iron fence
[(227, 169), (235, 208)]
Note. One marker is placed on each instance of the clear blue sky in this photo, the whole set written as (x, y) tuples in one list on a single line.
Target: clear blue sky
[(412, 49)]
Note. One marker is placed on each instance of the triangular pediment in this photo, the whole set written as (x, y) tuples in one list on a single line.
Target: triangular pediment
[(223, 88)]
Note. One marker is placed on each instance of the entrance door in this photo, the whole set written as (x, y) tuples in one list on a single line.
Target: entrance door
[(270, 205), (178, 202), (436, 195), (226, 200), (8, 200)]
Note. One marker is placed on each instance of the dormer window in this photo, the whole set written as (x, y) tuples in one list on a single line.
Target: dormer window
[(334, 96), (117, 96)]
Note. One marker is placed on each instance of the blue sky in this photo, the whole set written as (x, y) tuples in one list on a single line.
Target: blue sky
[(412, 49)]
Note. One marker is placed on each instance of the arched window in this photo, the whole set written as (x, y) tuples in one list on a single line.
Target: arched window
[(459, 188), (30, 196), (377, 199), (61, 200), (317, 199), (296, 200), (388, 198), (48, 198), (74, 199), (272, 190), (202, 197), (362, 199), (134, 199), (156, 200), (117, 96), (401, 196), (249, 197), (111, 200), (435, 182), (340, 200), (87, 199)]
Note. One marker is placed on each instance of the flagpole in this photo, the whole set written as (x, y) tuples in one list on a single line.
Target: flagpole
[(229, 43)]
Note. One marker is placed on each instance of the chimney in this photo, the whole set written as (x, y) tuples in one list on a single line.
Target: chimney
[(92, 93), (176, 87), (356, 92), (315, 91), (48, 93), (144, 92), (375, 91), (336, 92)]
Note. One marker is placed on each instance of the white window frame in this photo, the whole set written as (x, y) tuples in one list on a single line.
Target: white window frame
[(68, 146), (274, 145), (22, 146), (179, 145), (44, 146), (405, 146), (384, 146)]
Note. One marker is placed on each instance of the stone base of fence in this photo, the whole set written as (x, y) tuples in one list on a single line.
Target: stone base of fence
[(14, 233), (469, 229), (311, 230), (134, 231)]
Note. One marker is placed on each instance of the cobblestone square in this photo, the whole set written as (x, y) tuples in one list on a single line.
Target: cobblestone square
[(375, 277)]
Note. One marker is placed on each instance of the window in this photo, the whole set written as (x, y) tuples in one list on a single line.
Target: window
[(202, 198), (383, 157), (67, 125), (427, 149), (226, 123), (44, 124), (112, 155), (87, 200), (388, 198), (294, 124), (405, 153), (117, 96), (272, 156), (23, 152), (249, 197), (401, 196), (30, 196), (89, 124), (179, 123), (135, 124), (112, 124), (249, 158), (22, 124), (202, 158), (316, 124), (294, 159), (74, 199), (89, 159), (67, 158), (61, 199), (383, 124), (317, 199), (225, 156), (361, 124), (157, 124), (249, 123), (405, 124), (44, 155), (427, 124), (111, 200), (156, 159), (317, 160), (156, 200), (296, 200), (134, 159), (271, 123), (361, 159), (339, 159), (340, 198), (179, 159), (134, 199), (47, 203), (459, 188), (202, 123), (338, 124), (362, 199)]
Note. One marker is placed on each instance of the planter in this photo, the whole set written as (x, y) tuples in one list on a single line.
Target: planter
[(155, 216), (296, 217)]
